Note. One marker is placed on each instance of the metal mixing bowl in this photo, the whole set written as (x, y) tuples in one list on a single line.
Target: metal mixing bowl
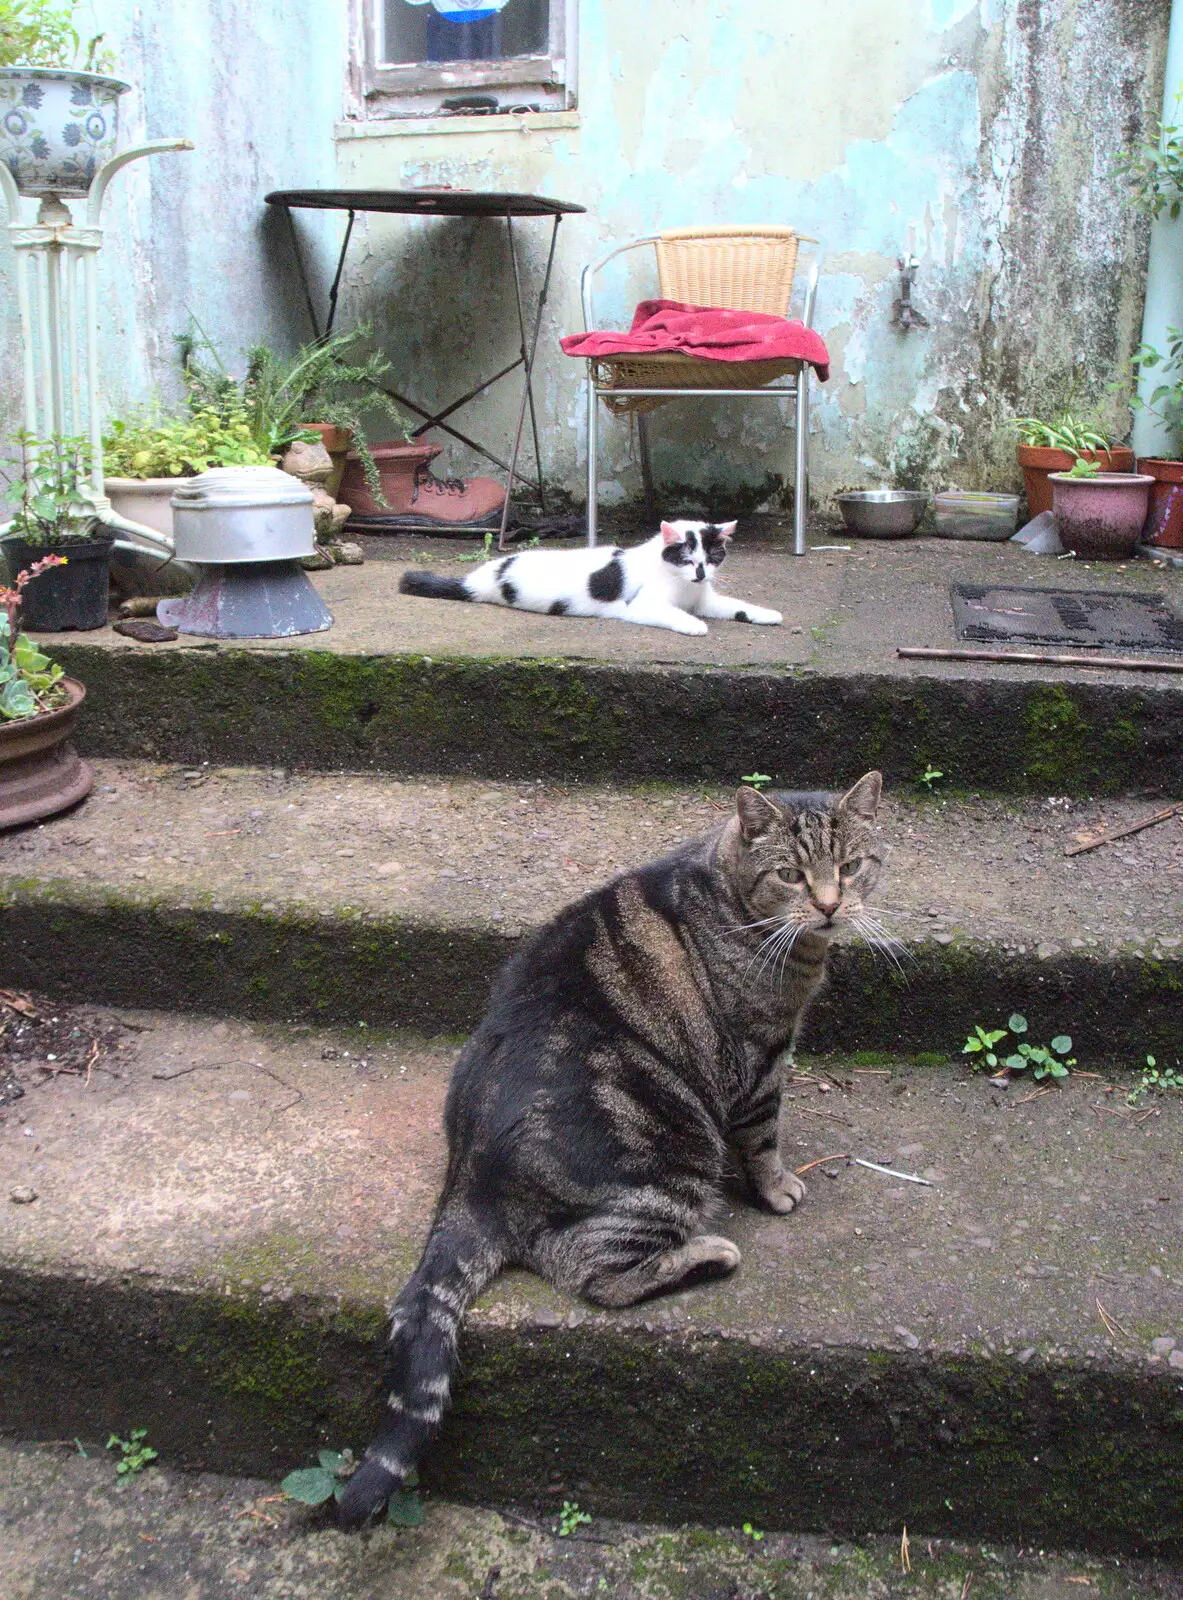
[(882, 513)]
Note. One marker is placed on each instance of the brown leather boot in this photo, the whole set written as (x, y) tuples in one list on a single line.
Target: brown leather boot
[(414, 496)]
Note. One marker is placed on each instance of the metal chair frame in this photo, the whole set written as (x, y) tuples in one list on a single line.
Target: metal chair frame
[(795, 388)]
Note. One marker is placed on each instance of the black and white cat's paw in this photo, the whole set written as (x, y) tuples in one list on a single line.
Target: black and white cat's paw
[(762, 614)]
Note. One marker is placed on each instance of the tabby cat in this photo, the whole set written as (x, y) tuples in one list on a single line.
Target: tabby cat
[(667, 582), (625, 1046)]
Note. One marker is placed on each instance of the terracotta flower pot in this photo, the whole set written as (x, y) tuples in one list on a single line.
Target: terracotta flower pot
[(337, 442), (398, 466), (1100, 519), (1164, 523), (1038, 463), (40, 771)]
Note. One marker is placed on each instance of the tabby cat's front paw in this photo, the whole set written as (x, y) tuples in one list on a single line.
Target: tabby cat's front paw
[(783, 1193)]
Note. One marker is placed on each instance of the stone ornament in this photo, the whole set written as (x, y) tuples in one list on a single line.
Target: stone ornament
[(57, 127), (312, 464)]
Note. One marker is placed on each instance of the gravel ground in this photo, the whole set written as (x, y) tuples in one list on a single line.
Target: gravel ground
[(70, 1531), (465, 852)]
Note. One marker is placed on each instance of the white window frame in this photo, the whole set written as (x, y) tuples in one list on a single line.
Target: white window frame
[(419, 89)]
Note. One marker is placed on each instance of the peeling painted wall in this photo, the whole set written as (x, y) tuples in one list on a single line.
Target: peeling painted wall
[(257, 88), (980, 133)]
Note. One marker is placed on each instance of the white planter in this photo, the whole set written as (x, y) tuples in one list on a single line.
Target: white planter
[(57, 127), (233, 514), (147, 501)]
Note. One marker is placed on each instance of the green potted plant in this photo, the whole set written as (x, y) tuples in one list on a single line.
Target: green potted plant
[(1099, 515), (322, 392), (1053, 446), (55, 514), (59, 106), (40, 772), (145, 454)]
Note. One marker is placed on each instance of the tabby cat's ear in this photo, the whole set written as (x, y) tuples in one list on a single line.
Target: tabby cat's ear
[(863, 799), (757, 816), (669, 534)]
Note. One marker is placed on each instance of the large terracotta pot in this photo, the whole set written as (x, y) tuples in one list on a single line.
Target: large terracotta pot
[(1164, 521), (398, 467), (1038, 463), (40, 771), (57, 127), (337, 442), (1100, 519)]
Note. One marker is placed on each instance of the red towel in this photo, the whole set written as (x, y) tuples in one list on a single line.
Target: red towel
[(707, 331)]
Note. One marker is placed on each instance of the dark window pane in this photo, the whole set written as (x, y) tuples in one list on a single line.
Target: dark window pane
[(452, 30)]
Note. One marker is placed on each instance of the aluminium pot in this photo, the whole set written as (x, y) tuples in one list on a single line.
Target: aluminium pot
[(57, 127), (242, 514), (1101, 518), (64, 598), (40, 771), (1039, 462)]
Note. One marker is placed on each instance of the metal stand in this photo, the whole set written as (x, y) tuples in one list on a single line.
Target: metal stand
[(57, 293)]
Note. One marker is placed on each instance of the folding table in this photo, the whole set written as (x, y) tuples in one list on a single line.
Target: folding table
[(444, 202)]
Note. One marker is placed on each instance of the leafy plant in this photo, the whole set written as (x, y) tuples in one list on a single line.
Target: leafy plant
[(752, 1532), (1081, 468), (1044, 1061), (40, 33), (326, 381), (1165, 400), (312, 1486), (757, 780), (1154, 170), (51, 485), (1064, 432), (29, 681), (148, 446), (1156, 1078), (570, 1518), (930, 777), (135, 1455)]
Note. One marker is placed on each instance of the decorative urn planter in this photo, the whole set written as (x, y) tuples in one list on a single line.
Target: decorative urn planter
[(1039, 462), (40, 771), (1164, 522), (57, 127), (1100, 519)]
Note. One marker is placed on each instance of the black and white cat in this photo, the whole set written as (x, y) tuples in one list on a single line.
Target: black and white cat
[(667, 582)]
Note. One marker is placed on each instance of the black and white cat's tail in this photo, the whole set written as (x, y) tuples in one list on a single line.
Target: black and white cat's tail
[(458, 1262), (433, 587)]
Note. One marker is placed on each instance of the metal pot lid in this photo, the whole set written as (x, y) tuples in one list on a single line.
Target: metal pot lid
[(235, 488)]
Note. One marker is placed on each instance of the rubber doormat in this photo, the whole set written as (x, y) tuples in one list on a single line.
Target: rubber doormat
[(1110, 618)]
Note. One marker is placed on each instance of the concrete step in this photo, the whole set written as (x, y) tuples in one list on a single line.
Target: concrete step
[(68, 1527), (373, 899), (414, 686), (222, 1211)]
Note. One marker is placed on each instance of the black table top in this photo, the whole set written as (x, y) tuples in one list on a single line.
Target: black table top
[(425, 202)]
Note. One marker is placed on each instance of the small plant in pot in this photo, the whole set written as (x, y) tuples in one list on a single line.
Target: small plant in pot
[(55, 514), (40, 772), (59, 106), (1164, 523), (145, 454), (1051, 446), (1099, 515)]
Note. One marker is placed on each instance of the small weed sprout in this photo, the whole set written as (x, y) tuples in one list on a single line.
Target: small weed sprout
[(752, 1532), (570, 1518), (312, 1486), (930, 777), (1160, 1080), (757, 780), (1044, 1061), (135, 1455)]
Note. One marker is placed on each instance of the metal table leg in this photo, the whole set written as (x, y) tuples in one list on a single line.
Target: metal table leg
[(528, 361)]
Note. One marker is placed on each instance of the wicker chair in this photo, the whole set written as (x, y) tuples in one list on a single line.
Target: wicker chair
[(739, 269)]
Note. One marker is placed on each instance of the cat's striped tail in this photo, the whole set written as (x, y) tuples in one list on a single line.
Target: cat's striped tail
[(458, 1262), (432, 587)]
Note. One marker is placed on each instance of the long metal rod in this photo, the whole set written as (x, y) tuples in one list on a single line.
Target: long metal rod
[(336, 284), (703, 394), (593, 489), (438, 416), (94, 419), (300, 268), (24, 299), (800, 474), (1038, 659), (528, 383)]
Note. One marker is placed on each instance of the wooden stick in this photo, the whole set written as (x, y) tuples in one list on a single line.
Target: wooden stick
[(1034, 658), (1119, 833)]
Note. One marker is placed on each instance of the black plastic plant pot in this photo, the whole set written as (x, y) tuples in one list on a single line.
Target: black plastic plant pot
[(64, 598)]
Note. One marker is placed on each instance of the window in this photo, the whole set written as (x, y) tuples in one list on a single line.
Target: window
[(424, 57)]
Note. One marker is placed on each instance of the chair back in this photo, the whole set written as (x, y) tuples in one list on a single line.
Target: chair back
[(741, 268)]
